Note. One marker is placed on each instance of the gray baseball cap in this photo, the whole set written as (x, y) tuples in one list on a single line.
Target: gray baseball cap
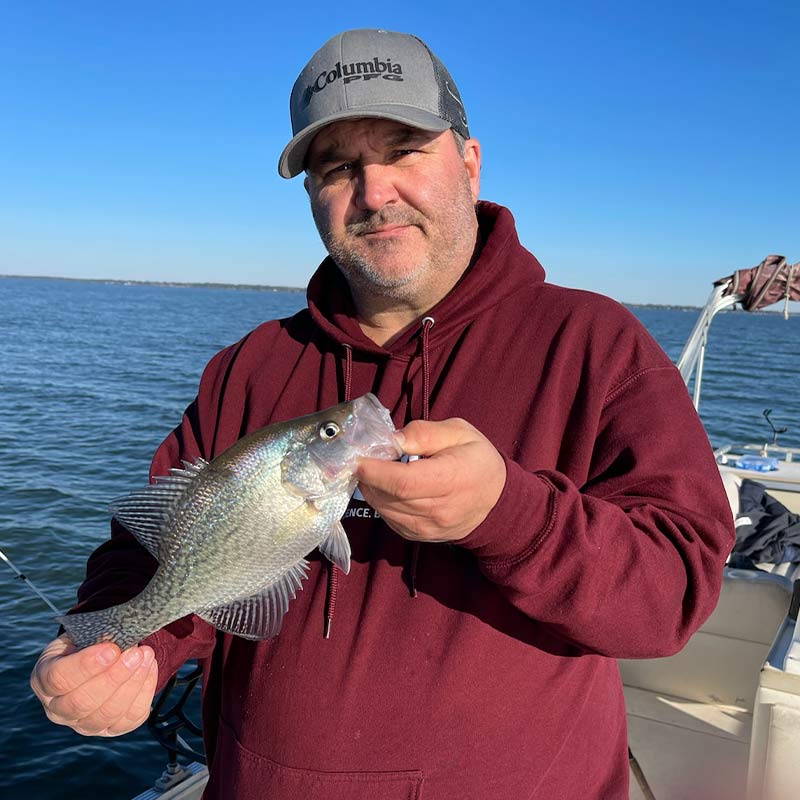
[(370, 73)]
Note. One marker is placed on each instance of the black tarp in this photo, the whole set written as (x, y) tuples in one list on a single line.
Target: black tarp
[(766, 531)]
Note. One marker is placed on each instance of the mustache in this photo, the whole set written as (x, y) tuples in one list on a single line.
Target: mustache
[(371, 221)]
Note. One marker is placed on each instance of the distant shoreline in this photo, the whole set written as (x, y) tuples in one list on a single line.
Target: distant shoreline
[(256, 287), (253, 287)]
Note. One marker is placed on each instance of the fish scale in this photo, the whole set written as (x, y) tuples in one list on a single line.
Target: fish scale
[(231, 536)]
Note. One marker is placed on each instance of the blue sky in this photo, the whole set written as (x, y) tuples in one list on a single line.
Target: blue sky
[(644, 148)]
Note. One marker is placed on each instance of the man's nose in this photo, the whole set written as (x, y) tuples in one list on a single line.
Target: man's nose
[(375, 187)]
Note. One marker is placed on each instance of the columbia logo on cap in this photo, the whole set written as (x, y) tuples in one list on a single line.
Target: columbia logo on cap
[(355, 71)]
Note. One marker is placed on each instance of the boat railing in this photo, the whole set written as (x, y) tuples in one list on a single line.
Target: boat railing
[(691, 359), (766, 450)]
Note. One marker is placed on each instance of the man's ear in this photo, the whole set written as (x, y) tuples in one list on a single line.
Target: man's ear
[(472, 161)]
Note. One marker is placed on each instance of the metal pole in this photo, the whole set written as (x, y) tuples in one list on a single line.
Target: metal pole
[(24, 578), (639, 775)]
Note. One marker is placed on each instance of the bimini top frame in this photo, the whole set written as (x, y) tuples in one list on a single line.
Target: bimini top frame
[(770, 282)]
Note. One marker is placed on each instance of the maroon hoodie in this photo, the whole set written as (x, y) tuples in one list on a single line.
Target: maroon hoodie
[(498, 679)]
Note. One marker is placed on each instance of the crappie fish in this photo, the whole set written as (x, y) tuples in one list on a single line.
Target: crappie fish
[(231, 535)]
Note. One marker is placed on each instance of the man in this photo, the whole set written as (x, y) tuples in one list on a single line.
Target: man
[(567, 510)]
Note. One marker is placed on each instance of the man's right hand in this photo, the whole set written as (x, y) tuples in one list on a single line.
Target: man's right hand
[(97, 691)]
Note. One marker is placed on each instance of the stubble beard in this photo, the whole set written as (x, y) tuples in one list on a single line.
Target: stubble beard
[(445, 236), (358, 268)]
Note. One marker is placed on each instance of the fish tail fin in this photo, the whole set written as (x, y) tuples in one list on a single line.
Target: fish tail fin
[(92, 627)]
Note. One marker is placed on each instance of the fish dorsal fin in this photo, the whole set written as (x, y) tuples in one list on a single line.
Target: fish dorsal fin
[(336, 547), (261, 615), (145, 512)]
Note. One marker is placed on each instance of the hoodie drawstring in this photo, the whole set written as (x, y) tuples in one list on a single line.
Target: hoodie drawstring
[(348, 371), (330, 597), (413, 561), (427, 324), (333, 570)]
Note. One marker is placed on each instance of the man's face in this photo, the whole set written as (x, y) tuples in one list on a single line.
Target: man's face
[(395, 207)]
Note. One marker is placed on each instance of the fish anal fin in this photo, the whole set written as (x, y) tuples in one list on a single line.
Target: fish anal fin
[(259, 616), (336, 547)]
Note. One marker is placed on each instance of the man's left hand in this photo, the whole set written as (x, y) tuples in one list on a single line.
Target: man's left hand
[(443, 496)]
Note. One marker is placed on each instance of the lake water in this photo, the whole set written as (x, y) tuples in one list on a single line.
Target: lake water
[(95, 375)]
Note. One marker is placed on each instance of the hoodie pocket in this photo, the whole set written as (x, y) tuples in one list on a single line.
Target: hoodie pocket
[(245, 775)]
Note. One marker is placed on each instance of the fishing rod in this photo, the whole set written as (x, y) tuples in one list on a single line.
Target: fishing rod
[(27, 581)]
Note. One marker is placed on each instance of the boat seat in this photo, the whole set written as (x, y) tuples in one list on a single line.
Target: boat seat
[(690, 715), (787, 569), (721, 662)]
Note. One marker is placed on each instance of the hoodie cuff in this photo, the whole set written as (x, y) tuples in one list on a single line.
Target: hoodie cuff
[(184, 639), (519, 522)]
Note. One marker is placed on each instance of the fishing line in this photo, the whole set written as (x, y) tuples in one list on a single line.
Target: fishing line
[(24, 578)]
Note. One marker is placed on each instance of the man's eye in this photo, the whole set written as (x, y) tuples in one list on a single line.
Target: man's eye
[(339, 169)]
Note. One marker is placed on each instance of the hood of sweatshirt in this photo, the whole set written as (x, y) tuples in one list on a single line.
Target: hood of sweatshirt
[(499, 267)]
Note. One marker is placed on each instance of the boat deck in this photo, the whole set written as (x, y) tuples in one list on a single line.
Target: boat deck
[(687, 749)]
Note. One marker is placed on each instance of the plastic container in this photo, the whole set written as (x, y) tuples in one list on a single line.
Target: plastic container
[(757, 463)]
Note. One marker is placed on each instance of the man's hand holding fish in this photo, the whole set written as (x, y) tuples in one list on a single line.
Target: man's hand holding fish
[(442, 496), (97, 691)]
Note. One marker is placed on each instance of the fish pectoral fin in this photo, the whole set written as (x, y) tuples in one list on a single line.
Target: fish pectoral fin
[(146, 511), (259, 616), (336, 547)]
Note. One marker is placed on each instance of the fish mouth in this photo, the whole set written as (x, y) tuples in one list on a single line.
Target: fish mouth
[(367, 432), (376, 426), (389, 451)]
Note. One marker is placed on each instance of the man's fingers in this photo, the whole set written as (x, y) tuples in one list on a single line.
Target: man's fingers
[(97, 690), (425, 478), (128, 706), (61, 669), (131, 699), (139, 710), (393, 507), (84, 700), (444, 496), (424, 438)]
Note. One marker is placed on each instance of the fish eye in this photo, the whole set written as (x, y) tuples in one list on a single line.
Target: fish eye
[(329, 430)]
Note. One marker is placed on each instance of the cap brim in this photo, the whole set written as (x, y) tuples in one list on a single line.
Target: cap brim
[(293, 157)]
